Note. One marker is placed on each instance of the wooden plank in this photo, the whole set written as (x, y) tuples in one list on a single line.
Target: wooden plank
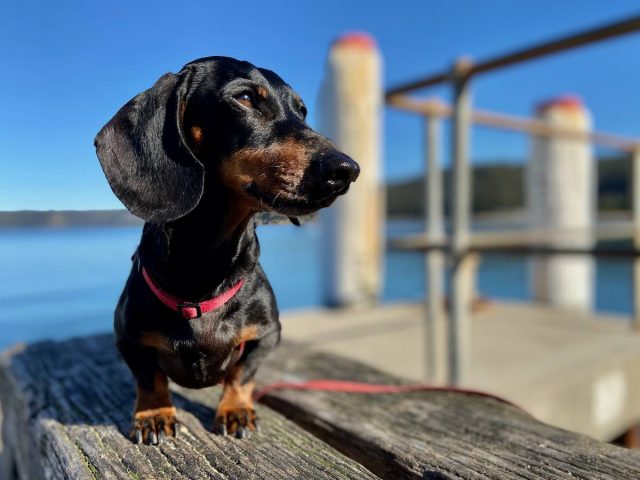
[(66, 407), (575, 371), (435, 435)]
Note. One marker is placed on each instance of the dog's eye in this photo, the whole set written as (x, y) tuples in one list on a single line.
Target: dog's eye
[(303, 111), (244, 99)]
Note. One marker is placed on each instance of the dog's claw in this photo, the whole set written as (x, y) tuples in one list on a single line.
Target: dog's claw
[(222, 430), (243, 432), (153, 429), (240, 423)]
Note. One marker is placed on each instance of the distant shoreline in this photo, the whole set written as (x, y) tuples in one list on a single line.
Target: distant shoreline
[(498, 188), (68, 218), (92, 218)]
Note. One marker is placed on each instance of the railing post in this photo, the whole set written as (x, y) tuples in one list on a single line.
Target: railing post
[(635, 203), (560, 193), (435, 321), (353, 228), (461, 275)]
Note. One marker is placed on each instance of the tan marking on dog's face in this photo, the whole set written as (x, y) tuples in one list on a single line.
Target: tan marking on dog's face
[(196, 135), (263, 92), (276, 170)]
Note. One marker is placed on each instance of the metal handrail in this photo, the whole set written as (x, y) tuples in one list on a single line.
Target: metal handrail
[(461, 242), (554, 46), (545, 240), (437, 108)]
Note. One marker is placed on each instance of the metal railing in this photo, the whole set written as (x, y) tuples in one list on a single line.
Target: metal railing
[(448, 344)]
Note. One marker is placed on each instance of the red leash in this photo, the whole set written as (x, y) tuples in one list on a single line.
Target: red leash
[(344, 386)]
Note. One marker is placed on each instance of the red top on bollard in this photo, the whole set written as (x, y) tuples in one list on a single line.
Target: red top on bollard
[(355, 39), (572, 102)]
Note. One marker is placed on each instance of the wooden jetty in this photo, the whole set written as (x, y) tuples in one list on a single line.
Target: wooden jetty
[(562, 232), (573, 370), (66, 408)]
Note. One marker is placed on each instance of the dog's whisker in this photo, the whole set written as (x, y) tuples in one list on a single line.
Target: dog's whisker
[(273, 203)]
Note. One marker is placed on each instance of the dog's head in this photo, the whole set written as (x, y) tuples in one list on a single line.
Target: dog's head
[(220, 123)]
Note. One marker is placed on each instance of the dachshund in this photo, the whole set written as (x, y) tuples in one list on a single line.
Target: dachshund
[(196, 156)]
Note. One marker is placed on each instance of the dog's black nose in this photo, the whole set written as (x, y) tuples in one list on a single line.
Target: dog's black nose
[(338, 171)]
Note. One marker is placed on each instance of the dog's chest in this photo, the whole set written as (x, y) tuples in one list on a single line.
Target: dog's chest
[(203, 357), (195, 367)]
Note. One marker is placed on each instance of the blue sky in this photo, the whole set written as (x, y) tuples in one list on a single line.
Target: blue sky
[(68, 66)]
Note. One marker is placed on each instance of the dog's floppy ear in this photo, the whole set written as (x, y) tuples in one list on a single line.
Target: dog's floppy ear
[(144, 155)]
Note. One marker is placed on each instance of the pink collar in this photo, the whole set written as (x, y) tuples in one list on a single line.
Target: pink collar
[(191, 310)]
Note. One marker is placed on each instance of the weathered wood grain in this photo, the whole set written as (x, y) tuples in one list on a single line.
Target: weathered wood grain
[(435, 435), (66, 407)]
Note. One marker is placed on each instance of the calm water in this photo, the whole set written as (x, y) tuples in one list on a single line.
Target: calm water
[(62, 283)]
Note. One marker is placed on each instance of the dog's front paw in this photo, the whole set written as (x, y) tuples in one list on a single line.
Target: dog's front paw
[(241, 422), (154, 425)]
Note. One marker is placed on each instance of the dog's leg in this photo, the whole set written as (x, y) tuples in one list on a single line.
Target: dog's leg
[(235, 414), (154, 416)]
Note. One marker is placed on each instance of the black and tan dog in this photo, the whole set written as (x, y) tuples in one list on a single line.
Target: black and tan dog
[(196, 156)]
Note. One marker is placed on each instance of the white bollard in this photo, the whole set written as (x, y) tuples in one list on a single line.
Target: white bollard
[(561, 197), (350, 108)]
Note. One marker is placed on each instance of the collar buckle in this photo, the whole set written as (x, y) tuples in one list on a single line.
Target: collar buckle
[(182, 306)]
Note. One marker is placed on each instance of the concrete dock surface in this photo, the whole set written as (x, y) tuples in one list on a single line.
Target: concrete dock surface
[(576, 371)]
